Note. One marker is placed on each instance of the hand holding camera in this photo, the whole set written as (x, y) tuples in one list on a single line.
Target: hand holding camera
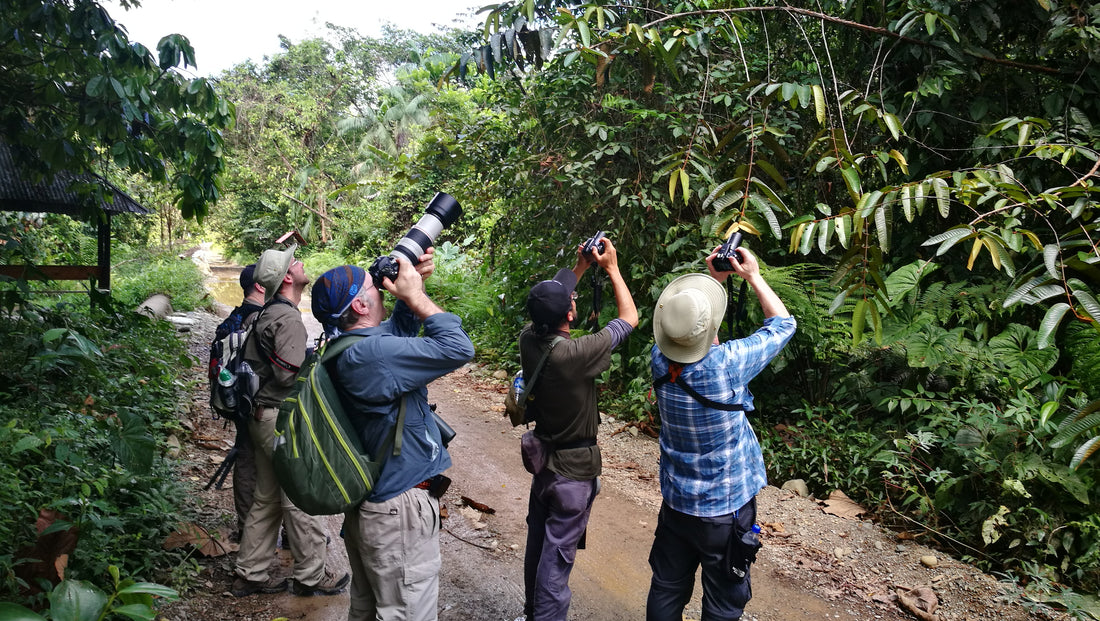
[(743, 263), (594, 246), (727, 255)]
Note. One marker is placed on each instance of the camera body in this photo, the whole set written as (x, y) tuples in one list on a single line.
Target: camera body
[(441, 212), (592, 244), (727, 254)]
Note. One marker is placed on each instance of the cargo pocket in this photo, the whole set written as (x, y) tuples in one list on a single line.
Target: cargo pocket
[(420, 538)]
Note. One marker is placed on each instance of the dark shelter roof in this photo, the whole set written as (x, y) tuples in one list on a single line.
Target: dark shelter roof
[(17, 194)]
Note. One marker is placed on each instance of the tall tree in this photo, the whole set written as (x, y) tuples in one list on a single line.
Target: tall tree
[(76, 95)]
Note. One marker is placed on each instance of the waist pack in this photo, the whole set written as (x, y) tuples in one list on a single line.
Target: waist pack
[(318, 458)]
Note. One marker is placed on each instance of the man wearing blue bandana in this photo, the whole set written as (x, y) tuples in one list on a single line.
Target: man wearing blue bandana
[(711, 463), (393, 537)]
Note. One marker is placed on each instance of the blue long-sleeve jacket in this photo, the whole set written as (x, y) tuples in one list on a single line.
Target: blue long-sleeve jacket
[(394, 362)]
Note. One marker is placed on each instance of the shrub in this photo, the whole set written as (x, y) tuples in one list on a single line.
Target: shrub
[(88, 399), (138, 278)]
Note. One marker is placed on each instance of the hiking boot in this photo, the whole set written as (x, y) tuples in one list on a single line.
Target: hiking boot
[(242, 587), (329, 585)]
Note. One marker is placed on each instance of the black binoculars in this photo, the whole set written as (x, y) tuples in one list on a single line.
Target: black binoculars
[(727, 254)]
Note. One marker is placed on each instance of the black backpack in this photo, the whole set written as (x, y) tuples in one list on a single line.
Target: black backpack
[(233, 382)]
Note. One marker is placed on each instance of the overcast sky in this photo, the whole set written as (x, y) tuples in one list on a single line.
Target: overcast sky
[(227, 32)]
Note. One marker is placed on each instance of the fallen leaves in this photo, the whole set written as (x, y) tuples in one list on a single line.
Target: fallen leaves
[(840, 505), (191, 534), (920, 601)]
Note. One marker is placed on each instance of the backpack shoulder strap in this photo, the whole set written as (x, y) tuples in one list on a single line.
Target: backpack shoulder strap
[(673, 376), (335, 347), (330, 351), (538, 369)]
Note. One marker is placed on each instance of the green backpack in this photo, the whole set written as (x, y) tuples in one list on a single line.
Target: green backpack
[(318, 458)]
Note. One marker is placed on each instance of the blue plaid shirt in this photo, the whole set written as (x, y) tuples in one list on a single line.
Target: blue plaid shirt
[(711, 463)]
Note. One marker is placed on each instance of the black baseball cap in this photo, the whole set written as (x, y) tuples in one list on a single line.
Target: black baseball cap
[(247, 281), (550, 300)]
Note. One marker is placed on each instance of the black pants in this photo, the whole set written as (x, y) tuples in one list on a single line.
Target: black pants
[(681, 544)]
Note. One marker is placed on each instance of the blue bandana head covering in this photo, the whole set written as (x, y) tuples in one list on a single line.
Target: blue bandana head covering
[(334, 291)]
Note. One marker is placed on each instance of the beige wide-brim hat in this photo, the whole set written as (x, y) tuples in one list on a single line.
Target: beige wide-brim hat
[(272, 268), (688, 315)]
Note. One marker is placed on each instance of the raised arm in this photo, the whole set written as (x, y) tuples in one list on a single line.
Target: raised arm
[(749, 269), (609, 261)]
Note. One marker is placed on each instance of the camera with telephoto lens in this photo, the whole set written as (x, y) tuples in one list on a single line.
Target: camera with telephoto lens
[(592, 244), (727, 254), (441, 212)]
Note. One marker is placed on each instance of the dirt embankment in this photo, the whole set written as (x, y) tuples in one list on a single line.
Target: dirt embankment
[(813, 565)]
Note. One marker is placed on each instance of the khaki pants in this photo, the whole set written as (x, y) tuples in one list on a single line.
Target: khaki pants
[(393, 547), (270, 506)]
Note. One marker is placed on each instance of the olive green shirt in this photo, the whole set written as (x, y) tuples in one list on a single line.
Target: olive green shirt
[(276, 349), (562, 400)]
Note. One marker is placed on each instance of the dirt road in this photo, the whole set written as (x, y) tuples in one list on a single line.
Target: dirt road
[(813, 565)]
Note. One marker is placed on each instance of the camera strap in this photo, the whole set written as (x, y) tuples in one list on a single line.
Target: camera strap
[(597, 301), (674, 376), (735, 311)]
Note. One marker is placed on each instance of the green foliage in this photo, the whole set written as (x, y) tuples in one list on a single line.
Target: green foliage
[(177, 277), (77, 599), (86, 405), (981, 475), (117, 105), (827, 446), (933, 236)]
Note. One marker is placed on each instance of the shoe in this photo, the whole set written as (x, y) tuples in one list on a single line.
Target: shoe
[(329, 585), (242, 587)]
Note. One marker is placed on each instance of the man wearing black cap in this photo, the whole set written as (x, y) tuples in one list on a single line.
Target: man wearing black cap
[(244, 465), (562, 402), (392, 538)]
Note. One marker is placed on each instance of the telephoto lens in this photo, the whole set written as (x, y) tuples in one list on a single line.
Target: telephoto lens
[(442, 211)]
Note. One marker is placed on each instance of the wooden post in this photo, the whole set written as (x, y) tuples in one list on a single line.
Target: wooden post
[(103, 240)]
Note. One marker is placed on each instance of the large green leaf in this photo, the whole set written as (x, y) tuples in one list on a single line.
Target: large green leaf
[(1088, 302), (949, 238), (133, 443), (1050, 323), (1086, 450), (1017, 349), (76, 600), (15, 612), (1050, 259), (906, 278), (931, 347)]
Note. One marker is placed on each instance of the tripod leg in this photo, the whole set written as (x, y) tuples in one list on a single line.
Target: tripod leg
[(223, 470)]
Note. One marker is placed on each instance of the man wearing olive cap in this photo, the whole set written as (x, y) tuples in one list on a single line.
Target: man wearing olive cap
[(244, 465), (276, 349), (711, 463), (392, 538)]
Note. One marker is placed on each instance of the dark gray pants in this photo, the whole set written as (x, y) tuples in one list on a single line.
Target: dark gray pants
[(681, 544), (557, 515), (244, 475)]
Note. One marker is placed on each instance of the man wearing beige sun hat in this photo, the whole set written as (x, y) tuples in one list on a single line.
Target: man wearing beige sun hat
[(711, 463)]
